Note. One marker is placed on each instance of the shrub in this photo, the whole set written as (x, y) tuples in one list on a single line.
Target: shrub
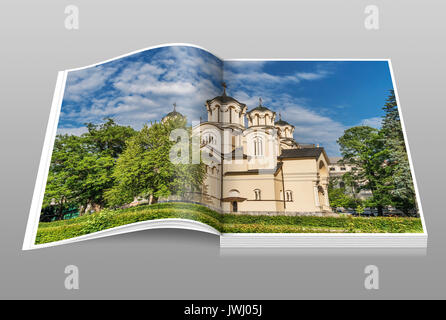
[(59, 230)]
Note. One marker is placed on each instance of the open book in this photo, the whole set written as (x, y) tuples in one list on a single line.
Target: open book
[(262, 153)]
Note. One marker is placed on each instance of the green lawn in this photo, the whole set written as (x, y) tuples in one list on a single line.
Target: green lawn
[(65, 229)]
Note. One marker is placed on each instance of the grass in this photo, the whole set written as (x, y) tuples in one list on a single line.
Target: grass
[(106, 219)]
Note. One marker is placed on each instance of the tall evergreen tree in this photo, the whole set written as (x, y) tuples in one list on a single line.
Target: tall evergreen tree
[(363, 148), (400, 177)]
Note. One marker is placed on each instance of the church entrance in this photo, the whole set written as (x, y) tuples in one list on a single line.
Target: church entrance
[(234, 206)]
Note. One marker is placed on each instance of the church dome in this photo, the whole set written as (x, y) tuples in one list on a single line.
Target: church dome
[(173, 114), (226, 110), (282, 123), (285, 130), (224, 98), (260, 108), (261, 115)]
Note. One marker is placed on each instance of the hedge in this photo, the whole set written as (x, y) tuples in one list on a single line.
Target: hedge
[(106, 219), (348, 224)]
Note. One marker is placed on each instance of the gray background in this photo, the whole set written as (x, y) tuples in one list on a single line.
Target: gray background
[(184, 264)]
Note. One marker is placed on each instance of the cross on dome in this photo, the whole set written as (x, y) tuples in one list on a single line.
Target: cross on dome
[(223, 84)]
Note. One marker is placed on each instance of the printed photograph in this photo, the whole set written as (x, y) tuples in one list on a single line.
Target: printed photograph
[(244, 146)]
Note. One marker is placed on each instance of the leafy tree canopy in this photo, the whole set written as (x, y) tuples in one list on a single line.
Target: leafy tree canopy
[(380, 161), (81, 166), (144, 168)]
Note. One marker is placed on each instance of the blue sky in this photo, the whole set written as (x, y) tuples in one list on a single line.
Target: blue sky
[(320, 98)]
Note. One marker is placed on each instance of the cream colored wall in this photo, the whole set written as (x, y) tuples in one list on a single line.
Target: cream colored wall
[(212, 113), (278, 192), (302, 165), (213, 182), (285, 131), (226, 113), (261, 118), (246, 184), (300, 176), (236, 165), (323, 171), (303, 196), (270, 148)]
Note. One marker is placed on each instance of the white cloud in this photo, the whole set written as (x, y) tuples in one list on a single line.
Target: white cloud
[(374, 122), (311, 127), (81, 83), (141, 91), (250, 74), (245, 65), (312, 75), (72, 131)]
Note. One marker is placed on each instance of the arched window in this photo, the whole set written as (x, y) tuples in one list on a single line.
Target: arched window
[(289, 195), (208, 139), (258, 146), (257, 194)]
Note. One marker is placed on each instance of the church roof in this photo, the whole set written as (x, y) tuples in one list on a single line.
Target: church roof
[(302, 153), (282, 122), (173, 113), (260, 107), (224, 98)]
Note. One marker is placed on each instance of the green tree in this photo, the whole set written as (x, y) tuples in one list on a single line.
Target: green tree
[(57, 191), (107, 138), (340, 198), (402, 190), (81, 167), (60, 182), (363, 147), (359, 209), (144, 168)]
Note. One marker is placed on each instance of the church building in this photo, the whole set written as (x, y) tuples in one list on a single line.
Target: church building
[(254, 165)]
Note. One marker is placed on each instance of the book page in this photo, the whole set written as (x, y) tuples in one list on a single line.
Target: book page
[(119, 146), (321, 149)]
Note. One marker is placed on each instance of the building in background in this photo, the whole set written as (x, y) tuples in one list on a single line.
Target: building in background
[(337, 168)]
